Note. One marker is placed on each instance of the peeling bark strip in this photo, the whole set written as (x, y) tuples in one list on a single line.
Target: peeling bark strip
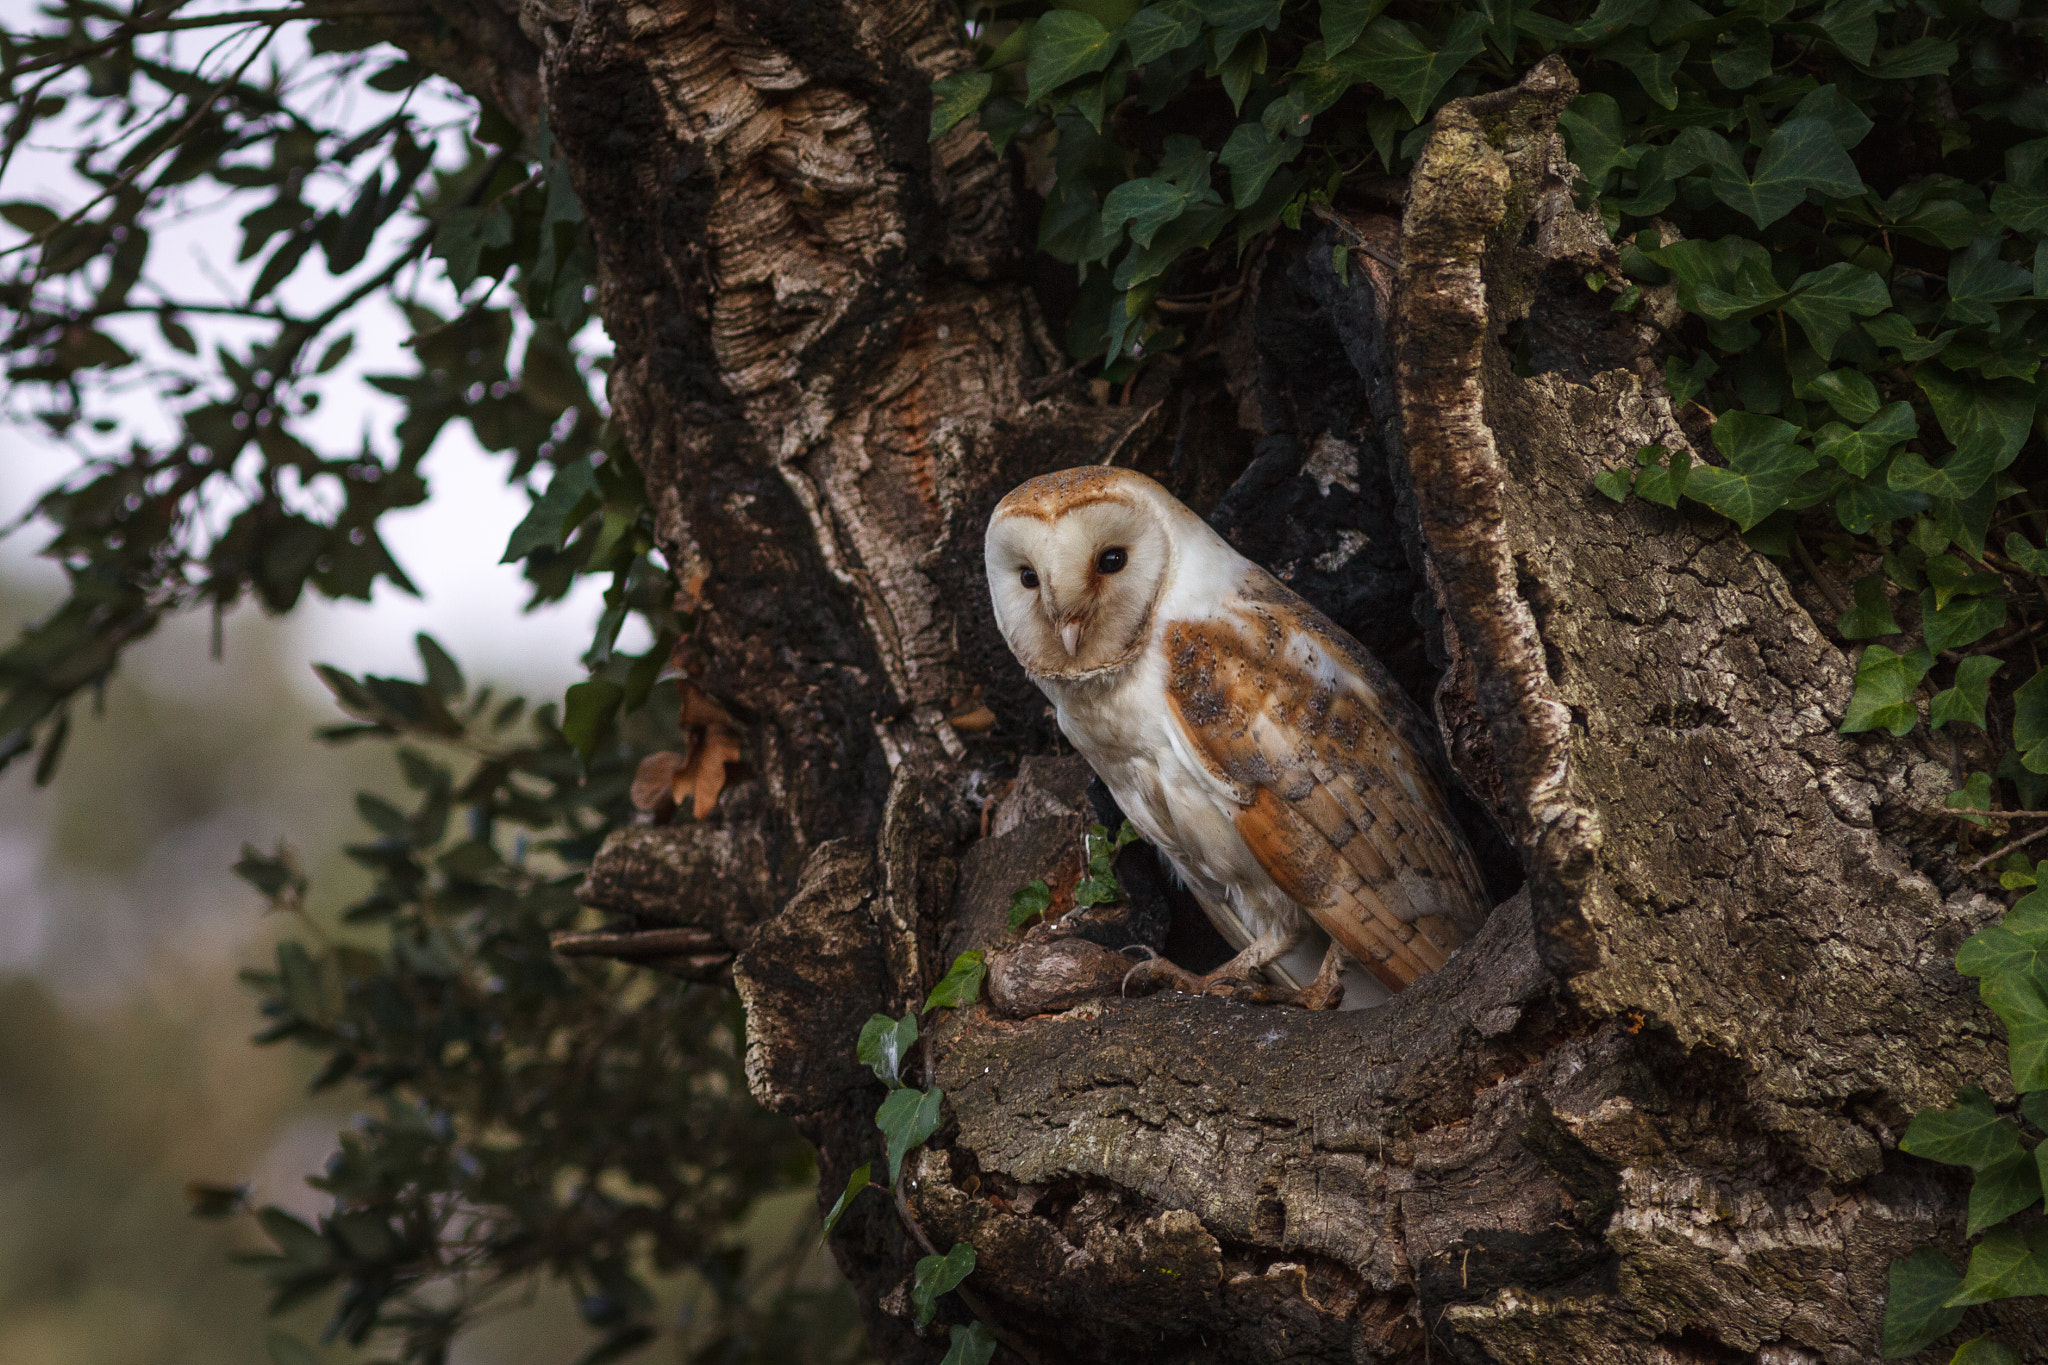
[(1646, 1116)]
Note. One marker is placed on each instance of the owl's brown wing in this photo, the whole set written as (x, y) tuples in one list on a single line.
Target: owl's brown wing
[(1336, 797)]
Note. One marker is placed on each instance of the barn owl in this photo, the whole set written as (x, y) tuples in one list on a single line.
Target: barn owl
[(1255, 744)]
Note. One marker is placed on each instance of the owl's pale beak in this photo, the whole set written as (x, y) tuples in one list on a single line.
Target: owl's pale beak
[(1070, 636)]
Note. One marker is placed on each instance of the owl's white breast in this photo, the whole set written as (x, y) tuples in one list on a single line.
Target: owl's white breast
[(1125, 727)]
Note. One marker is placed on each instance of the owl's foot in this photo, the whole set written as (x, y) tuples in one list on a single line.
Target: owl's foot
[(1326, 992)]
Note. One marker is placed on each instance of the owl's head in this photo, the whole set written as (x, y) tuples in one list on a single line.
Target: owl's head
[(1076, 563)]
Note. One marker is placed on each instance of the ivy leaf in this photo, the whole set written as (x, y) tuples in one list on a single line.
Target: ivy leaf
[(1615, 483), (855, 1183), (907, 1118), (1593, 130), (1029, 902), (1975, 794), (1392, 57), (1146, 205), (2019, 209), (1724, 279), (1653, 67), (1978, 281), (1884, 690), (1865, 503), (1824, 301), (1971, 1133), (973, 1344), (956, 96), (1860, 450), (1159, 29), (1801, 154), (588, 709), (1764, 460), (1606, 18), (2021, 1003), (1252, 155), (1983, 1351), (1921, 57), (1967, 699), (1849, 392), (2022, 552), (1894, 331), (2002, 1190), (1996, 950), (571, 496), (2008, 1263), (1661, 482), (1065, 44), (961, 984), (1838, 111), (883, 1044), (1871, 613), (1344, 20), (1851, 25), (936, 1275), (1916, 1314), (1964, 621), (1986, 421)]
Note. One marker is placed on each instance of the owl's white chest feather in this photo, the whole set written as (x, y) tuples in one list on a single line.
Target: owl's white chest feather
[(1126, 730)]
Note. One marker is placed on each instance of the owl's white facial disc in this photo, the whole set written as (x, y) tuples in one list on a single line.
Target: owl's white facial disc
[(1075, 567)]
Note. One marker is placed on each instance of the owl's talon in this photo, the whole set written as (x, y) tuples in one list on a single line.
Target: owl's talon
[(1155, 973)]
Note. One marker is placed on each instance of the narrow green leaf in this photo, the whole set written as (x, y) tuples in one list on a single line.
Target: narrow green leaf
[(962, 982), (855, 1183), (936, 1275), (1966, 700), (1916, 1314)]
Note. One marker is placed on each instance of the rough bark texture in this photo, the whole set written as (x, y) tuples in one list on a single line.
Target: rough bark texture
[(1648, 1115)]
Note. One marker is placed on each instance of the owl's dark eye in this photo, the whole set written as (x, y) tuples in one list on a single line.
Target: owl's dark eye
[(1028, 576), (1112, 560)]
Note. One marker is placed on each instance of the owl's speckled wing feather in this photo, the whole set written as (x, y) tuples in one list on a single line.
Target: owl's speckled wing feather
[(1337, 801)]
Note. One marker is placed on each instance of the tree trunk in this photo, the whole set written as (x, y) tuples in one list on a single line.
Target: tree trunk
[(1649, 1114)]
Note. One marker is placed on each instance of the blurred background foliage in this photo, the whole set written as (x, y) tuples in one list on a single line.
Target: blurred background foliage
[(260, 277)]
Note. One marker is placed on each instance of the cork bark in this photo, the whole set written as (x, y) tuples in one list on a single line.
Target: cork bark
[(1648, 1115)]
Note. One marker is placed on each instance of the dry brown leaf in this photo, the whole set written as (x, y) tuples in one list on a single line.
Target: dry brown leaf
[(706, 776), (975, 721), (699, 709), (654, 780)]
